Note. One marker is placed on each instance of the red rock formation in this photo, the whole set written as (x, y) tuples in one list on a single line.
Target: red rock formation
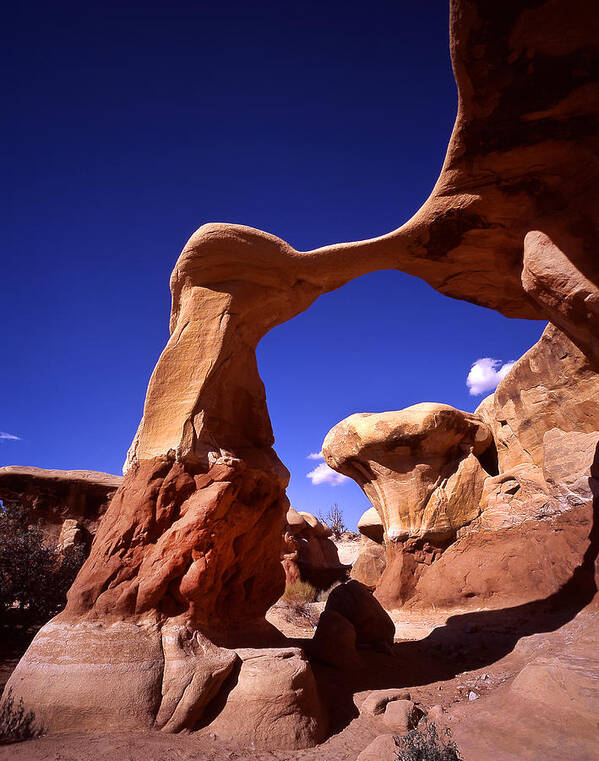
[(55, 496), (309, 554), (193, 537)]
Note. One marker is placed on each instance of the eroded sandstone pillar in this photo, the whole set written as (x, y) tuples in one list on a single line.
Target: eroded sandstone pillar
[(187, 558), (420, 468)]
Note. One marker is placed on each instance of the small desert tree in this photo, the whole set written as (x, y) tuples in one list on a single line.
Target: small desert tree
[(334, 520)]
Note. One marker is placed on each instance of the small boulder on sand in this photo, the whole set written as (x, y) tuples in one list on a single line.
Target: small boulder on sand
[(382, 748), (401, 715), (376, 702)]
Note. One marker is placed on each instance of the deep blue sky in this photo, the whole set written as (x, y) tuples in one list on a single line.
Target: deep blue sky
[(134, 123)]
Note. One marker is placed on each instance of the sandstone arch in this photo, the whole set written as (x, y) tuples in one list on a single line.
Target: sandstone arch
[(186, 560)]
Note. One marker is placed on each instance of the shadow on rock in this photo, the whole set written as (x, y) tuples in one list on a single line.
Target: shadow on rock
[(465, 643)]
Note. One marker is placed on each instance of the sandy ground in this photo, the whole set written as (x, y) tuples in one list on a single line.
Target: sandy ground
[(348, 547), (441, 659)]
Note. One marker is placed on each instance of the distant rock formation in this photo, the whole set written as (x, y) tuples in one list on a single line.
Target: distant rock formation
[(308, 553), (66, 503), (371, 560), (418, 466)]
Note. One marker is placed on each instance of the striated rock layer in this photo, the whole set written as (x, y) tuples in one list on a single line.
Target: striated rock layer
[(552, 386), (54, 497), (192, 538)]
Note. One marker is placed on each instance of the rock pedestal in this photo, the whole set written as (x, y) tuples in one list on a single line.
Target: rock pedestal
[(420, 469)]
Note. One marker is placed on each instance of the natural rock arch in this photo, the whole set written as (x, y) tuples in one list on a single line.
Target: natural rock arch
[(189, 548)]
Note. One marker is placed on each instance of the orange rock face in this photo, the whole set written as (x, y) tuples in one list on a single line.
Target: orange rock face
[(552, 386), (170, 538)]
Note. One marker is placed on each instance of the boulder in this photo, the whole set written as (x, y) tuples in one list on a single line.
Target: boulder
[(371, 526), (382, 748), (376, 702), (401, 715), (274, 702), (438, 716), (294, 521), (194, 670), (334, 642), (372, 625), (370, 563), (71, 536)]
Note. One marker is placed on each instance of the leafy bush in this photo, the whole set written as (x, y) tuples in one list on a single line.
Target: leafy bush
[(16, 724), (334, 520), (426, 745), (34, 575)]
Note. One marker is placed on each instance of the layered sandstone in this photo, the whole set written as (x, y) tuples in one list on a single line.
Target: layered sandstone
[(420, 468), (518, 535), (56, 497), (552, 386)]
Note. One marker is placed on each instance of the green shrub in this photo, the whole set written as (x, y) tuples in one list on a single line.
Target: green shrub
[(426, 745), (34, 575)]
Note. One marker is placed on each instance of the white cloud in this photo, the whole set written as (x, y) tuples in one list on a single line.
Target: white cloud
[(315, 456), (485, 375), (9, 436), (322, 474)]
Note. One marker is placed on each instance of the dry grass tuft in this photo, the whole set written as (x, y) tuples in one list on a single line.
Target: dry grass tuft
[(299, 592)]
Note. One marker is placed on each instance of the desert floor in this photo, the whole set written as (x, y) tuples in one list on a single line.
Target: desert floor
[(441, 661)]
